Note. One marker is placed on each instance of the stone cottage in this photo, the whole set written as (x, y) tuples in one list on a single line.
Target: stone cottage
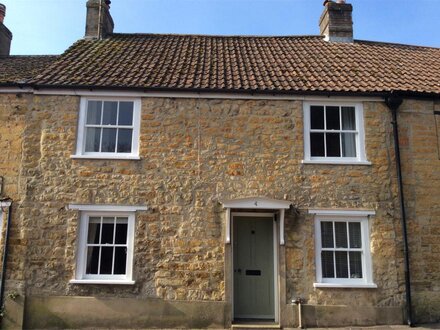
[(215, 181)]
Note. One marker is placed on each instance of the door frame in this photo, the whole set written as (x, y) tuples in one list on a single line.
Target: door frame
[(275, 258)]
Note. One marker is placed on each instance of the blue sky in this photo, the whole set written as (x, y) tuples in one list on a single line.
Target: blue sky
[(50, 26)]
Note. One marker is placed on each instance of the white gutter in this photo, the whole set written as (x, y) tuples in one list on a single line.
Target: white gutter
[(195, 95)]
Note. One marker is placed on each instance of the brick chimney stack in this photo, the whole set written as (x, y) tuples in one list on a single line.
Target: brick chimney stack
[(5, 34), (336, 22), (99, 22)]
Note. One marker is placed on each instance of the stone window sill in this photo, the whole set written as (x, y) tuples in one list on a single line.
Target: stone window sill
[(345, 286), (116, 157), (335, 162), (117, 282)]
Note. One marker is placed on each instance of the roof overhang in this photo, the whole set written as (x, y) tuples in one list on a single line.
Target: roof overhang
[(85, 90)]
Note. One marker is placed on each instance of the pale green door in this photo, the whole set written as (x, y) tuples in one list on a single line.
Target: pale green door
[(253, 268)]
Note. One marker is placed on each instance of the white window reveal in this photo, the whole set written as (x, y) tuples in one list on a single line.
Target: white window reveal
[(333, 133), (342, 249), (4, 210), (108, 128), (105, 249)]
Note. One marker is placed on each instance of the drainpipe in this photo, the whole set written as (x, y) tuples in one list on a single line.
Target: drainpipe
[(5, 255), (393, 102)]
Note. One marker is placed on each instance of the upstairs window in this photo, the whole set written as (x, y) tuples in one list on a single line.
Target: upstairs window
[(108, 129), (333, 133)]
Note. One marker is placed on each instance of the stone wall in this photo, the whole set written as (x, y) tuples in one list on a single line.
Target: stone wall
[(13, 110), (195, 153), (421, 172)]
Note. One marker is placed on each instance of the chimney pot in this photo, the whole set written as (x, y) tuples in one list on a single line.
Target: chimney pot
[(2, 12), (336, 22)]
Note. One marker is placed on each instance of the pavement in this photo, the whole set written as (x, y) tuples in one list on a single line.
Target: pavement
[(380, 327), (387, 327)]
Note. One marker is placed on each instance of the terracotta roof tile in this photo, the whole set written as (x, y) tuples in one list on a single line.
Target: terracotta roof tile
[(19, 69), (252, 64)]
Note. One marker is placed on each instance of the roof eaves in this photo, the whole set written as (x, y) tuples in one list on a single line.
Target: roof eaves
[(410, 94)]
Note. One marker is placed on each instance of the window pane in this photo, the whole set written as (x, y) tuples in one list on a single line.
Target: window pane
[(355, 265), (341, 264), (108, 140), (93, 136), (124, 140), (348, 118), (316, 117), (332, 117), (354, 229), (121, 233), (110, 113), (92, 260), (125, 113), (94, 229), (328, 269), (349, 144), (317, 145), (341, 234), (327, 234), (107, 231), (333, 145), (120, 260), (106, 260), (94, 112)]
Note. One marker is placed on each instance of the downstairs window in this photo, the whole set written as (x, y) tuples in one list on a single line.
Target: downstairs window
[(105, 249), (342, 247)]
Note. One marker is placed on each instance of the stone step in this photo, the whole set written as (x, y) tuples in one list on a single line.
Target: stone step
[(264, 326)]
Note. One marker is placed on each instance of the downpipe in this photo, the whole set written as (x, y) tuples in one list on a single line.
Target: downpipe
[(393, 102), (5, 256)]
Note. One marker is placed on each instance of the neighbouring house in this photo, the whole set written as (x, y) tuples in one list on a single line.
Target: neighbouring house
[(191, 181)]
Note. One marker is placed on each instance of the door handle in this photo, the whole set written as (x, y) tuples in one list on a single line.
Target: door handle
[(237, 270)]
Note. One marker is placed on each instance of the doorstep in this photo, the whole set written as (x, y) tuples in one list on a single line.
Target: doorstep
[(256, 325)]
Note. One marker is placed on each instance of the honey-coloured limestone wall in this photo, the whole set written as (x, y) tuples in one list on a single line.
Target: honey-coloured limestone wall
[(420, 149), (13, 111), (194, 154)]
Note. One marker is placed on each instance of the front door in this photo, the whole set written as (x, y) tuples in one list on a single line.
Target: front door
[(253, 268)]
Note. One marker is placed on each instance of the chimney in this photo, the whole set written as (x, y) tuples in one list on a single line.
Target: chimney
[(336, 22), (99, 22), (5, 34)]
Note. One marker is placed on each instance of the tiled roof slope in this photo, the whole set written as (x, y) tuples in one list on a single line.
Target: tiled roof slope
[(250, 64), (19, 69)]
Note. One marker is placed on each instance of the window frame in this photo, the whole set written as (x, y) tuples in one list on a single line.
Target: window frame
[(5, 208), (344, 216), (80, 140), (360, 159), (80, 273)]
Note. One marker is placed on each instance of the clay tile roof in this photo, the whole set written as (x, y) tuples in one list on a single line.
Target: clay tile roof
[(19, 69), (299, 64)]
